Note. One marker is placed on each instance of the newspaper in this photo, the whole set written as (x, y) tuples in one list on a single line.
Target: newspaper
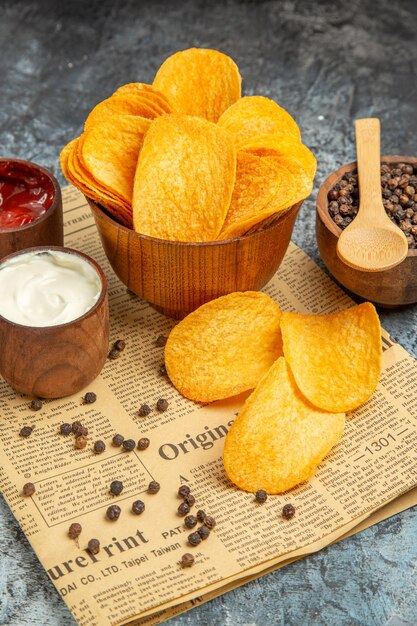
[(136, 577)]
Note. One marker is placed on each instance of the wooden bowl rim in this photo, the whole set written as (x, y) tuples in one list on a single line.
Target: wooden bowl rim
[(278, 220), (95, 265), (335, 177), (56, 202)]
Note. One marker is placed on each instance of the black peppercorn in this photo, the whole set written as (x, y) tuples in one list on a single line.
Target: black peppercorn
[(93, 546), (143, 443), (190, 500), (261, 496), (209, 521), (99, 446), (183, 491), (153, 487), (65, 429), (81, 442), (119, 345), (113, 512), (129, 445), (194, 539), (74, 530), (201, 515), (162, 370), (138, 507), (161, 341), (190, 521), (76, 426), (162, 405), (144, 410), (29, 489), (117, 440), (183, 509), (90, 397), (288, 511), (204, 532), (116, 487), (398, 187), (187, 560), (26, 431), (36, 404)]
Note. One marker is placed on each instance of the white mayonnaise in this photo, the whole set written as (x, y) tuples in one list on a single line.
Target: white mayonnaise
[(47, 288)]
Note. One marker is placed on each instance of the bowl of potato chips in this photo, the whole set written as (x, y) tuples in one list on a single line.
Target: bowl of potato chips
[(194, 188)]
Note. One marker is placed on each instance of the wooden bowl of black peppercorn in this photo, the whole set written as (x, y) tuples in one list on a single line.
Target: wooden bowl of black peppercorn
[(337, 203)]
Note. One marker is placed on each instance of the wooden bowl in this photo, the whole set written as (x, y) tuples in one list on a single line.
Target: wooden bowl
[(56, 361), (392, 288), (177, 277), (48, 230)]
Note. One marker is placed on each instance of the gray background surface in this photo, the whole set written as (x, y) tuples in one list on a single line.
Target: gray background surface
[(326, 62)]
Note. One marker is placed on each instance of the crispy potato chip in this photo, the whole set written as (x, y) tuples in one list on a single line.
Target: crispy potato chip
[(82, 179), (150, 92), (282, 146), (184, 179), (199, 82), (263, 187), (224, 347), (256, 115), (129, 103), (110, 150), (279, 438), (335, 358)]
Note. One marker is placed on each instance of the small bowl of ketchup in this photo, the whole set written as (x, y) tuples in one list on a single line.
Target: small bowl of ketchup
[(30, 207)]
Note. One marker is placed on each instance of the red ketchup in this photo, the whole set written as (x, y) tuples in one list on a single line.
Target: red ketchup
[(25, 194)]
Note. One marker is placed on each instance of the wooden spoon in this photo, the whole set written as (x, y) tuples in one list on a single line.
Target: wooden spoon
[(371, 242)]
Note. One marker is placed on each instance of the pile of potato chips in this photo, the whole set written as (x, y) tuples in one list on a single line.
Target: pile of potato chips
[(307, 371), (187, 158)]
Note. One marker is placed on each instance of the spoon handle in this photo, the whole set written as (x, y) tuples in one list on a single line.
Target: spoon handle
[(369, 164)]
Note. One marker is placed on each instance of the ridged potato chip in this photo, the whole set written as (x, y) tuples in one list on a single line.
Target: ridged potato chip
[(200, 82), (224, 347), (335, 358), (282, 146), (279, 438), (184, 179), (256, 115), (263, 187)]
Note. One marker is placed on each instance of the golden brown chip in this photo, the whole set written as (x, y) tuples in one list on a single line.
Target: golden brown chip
[(110, 150), (282, 146), (224, 347), (184, 179), (335, 358), (150, 92), (256, 115), (199, 82), (129, 103), (279, 438), (82, 179), (263, 187)]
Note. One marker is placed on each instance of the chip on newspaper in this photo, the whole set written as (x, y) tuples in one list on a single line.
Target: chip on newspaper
[(233, 164), (335, 358), (279, 438), (224, 347)]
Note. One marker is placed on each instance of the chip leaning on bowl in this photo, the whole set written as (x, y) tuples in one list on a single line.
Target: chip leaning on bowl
[(187, 158)]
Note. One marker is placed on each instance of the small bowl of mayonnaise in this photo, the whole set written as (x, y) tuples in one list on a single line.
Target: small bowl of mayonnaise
[(54, 321)]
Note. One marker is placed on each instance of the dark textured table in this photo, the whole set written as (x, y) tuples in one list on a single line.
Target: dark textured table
[(327, 63)]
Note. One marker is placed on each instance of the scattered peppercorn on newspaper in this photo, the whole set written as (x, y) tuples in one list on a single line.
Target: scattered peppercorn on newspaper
[(138, 569)]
